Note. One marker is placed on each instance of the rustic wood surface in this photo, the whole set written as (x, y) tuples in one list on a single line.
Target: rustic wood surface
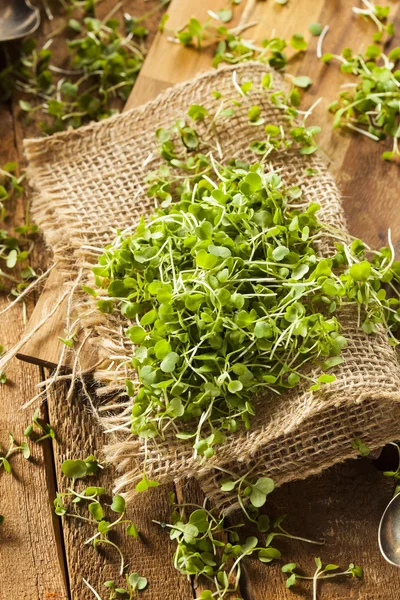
[(42, 557)]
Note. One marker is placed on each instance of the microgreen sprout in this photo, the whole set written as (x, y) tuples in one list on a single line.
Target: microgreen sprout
[(321, 572), (378, 14), (93, 508), (362, 448), (37, 425), (13, 448)]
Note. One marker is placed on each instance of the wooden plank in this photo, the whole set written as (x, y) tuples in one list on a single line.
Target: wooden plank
[(80, 435), (31, 564)]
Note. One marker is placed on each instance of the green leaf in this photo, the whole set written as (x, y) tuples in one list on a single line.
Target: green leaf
[(26, 106), (205, 260), (227, 486), (280, 253), (96, 510), (6, 465), (132, 531), (75, 469), (199, 518), (169, 363), (118, 504), (260, 490), (103, 527), (136, 334), (267, 555), (197, 112), (225, 15), (26, 451), (298, 42), (249, 545), (219, 251), (361, 271), (190, 532), (291, 581), (263, 523), (332, 362), (235, 386), (137, 582), (262, 330), (326, 378), (302, 81), (315, 29)]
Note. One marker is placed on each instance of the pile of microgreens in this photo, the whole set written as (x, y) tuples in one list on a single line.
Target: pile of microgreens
[(102, 65), (224, 291), (370, 106)]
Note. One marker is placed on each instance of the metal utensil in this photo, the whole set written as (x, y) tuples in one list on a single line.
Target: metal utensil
[(389, 532), (18, 18)]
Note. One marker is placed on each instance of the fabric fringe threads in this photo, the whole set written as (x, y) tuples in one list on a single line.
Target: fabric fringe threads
[(91, 182)]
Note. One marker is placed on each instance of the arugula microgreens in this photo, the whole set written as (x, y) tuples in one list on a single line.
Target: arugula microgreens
[(377, 14), (23, 448), (44, 430), (208, 547), (14, 247), (103, 64), (231, 48), (203, 548), (96, 508), (371, 105), (226, 295), (321, 572), (134, 582)]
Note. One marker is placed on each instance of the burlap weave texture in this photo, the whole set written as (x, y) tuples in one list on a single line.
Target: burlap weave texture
[(91, 182)]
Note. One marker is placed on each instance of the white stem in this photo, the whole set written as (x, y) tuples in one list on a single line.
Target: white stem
[(321, 40)]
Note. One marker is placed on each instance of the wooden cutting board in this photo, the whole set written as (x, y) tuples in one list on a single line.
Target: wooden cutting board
[(368, 184)]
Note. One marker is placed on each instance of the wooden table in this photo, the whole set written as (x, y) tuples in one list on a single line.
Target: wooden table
[(42, 557)]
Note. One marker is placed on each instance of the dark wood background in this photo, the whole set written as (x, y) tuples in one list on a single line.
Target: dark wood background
[(43, 558)]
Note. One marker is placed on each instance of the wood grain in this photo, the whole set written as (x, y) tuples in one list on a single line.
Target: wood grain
[(79, 435), (31, 560)]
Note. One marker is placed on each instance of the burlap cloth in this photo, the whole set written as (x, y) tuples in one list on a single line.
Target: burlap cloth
[(91, 182)]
